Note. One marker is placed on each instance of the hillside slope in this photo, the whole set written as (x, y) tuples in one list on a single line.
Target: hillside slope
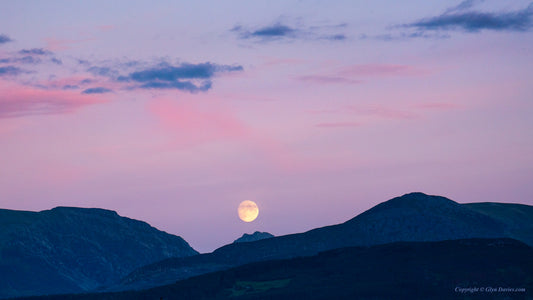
[(69, 249), (516, 217)]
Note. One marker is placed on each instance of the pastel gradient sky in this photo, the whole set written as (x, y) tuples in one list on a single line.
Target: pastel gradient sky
[(173, 112)]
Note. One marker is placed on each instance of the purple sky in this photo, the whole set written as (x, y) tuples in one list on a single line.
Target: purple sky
[(175, 112)]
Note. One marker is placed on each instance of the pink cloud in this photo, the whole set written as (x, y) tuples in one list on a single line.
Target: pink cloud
[(12, 125), (274, 61), (327, 79), (436, 106), (106, 27), (59, 83), (374, 110), (379, 70), (322, 111), (17, 100), (339, 124), (354, 74), (61, 176), (382, 111), (194, 125), (364, 114), (54, 44)]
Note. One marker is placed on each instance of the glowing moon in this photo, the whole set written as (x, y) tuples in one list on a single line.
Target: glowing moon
[(248, 211)]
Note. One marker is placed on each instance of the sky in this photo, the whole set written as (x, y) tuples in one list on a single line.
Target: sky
[(173, 112)]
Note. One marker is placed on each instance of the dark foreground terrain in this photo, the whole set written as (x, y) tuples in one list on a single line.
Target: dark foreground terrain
[(402, 270)]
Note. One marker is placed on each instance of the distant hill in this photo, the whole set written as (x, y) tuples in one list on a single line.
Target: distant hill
[(256, 236), (411, 217), (401, 270), (70, 249), (516, 217)]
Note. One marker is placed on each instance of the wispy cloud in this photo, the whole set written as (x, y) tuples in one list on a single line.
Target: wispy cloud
[(381, 112), (365, 113), (402, 36), (177, 84), (183, 71), (465, 5), (18, 101), (187, 77), (324, 79), (96, 90), (4, 39), (59, 45), (56, 61), (355, 74), (283, 31), (23, 60), (461, 17), (457, 18), (35, 51), (277, 30), (102, 71), (10, 71), (70, 87), (90, 79), (338, 124), (366, 70), (26, 56), (436, 106), (270, 32), (128, 74), (61, 83), (335, 37)]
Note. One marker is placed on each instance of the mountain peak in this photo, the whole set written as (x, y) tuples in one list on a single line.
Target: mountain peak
[(416, 200), (415, 195), (253, 237), (419, 196)]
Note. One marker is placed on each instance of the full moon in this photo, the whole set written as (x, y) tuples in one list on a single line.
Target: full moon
[(248, 211)]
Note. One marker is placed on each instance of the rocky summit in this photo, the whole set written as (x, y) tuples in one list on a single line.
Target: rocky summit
[(256, 236)]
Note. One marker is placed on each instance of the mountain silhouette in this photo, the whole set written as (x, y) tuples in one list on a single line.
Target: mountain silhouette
[(516, 217), (256, 236), (411, 217), (70, 249), (400, 270)]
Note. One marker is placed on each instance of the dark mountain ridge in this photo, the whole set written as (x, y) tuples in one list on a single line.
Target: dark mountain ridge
[(516, 217), (68, 249), (71, 250), (411, 217), (400, 270)]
